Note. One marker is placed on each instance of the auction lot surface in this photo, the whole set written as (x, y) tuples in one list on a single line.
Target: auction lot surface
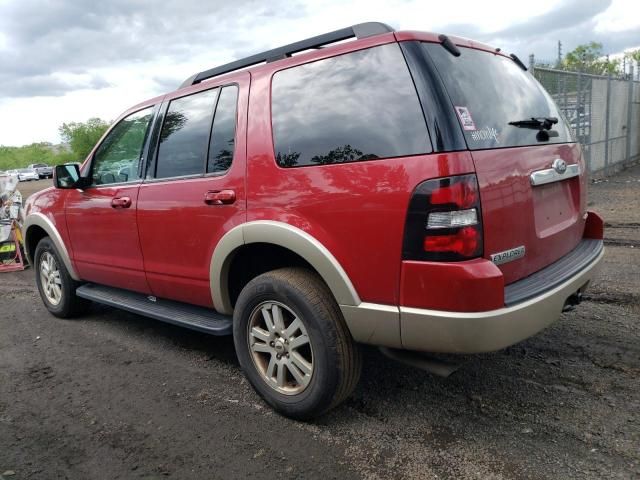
[(115, 395)]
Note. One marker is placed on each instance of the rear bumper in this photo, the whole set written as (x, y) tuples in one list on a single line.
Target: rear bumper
[(467, 332), (475, 332)]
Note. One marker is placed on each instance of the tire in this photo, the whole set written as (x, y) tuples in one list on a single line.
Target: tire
[(334, 357), (60, 286)]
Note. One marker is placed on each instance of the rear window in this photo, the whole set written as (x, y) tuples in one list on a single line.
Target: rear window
[(353, 107), (488, 91)]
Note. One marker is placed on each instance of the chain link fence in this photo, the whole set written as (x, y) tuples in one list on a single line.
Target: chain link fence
[(604, 113)]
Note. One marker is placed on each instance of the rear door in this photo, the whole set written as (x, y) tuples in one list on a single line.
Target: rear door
[(195, 190), (102, 218), (544, 215)]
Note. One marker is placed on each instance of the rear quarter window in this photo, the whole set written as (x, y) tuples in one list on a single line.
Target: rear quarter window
[(353, 107), (488, 91)]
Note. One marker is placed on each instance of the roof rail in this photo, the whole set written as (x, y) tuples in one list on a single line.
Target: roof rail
[(362, 30)]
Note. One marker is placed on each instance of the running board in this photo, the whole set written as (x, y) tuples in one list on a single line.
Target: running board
[(197, 318)]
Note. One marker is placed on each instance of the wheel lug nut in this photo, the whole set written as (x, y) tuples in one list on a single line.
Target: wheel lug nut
[(278, 356)]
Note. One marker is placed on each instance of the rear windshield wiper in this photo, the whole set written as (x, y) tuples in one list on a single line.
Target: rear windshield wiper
[(536, 123)]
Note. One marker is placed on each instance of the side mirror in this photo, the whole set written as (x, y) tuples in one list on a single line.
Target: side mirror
[(68, 176)]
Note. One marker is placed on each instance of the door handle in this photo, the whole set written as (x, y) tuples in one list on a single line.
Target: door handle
[(121, 202), (219, 197)]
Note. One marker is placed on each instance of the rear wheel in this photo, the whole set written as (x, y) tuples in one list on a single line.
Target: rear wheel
[(293, 344), (57, 288)]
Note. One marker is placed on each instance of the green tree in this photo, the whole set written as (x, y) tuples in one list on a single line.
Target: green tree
[(634, 55), (588, 58), (20, 157), (82, 136)]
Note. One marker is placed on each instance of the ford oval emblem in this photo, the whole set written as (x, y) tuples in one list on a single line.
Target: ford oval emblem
[(559, 165)]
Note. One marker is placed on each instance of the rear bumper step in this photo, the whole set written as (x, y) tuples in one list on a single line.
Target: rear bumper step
[(190, 316), (553, 275)]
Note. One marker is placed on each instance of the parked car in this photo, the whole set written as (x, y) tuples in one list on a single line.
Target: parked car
[(44, 170), (407, 190), (25, 174)]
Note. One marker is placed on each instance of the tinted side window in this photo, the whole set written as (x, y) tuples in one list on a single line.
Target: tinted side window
[(185, 135), (224, 131), (118, 156), (358, 106)]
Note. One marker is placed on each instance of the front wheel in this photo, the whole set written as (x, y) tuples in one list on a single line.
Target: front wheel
[(57, 288), (293, 345)]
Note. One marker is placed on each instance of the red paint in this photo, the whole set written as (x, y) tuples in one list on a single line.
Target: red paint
[(356, 210), (469, 286), (179, 229), (104, 239), (594, 226), (546, 219)]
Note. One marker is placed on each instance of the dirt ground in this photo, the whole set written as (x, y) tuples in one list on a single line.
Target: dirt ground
[(27, 188), (114, 395)]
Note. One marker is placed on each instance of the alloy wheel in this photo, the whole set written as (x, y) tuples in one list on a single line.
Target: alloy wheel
[(280, 347), (50, 278)]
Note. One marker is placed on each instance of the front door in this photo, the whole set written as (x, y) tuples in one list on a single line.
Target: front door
[(195, 190), (102, 218)]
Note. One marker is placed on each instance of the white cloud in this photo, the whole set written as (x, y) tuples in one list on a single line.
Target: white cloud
[(621, 15)]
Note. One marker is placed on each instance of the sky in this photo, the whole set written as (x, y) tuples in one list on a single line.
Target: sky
[(66, 61)]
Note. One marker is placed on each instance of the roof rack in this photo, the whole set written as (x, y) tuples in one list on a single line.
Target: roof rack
[(362, 30)]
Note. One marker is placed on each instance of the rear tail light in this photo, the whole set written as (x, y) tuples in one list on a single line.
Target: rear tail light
[(444, 221)]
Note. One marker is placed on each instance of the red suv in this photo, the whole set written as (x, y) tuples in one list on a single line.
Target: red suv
[(402, 189)]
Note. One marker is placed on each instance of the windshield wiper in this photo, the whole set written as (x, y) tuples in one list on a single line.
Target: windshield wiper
[(536, 123)]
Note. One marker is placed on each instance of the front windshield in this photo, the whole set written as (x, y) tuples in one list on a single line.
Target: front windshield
[(488, 91)]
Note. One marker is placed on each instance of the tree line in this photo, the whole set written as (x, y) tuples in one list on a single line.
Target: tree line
[(588, 58), (78, 137)]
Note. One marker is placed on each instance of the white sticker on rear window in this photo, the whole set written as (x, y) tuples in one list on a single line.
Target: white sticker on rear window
[(465, 118), (486, 133)]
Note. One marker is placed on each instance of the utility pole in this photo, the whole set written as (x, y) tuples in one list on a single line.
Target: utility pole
[(559, 53)]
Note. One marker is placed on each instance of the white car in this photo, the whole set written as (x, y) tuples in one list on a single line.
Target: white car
[(25, 174), (42, 169)]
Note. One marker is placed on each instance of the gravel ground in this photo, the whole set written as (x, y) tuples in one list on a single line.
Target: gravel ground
[(27, 188), (114, 395)]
